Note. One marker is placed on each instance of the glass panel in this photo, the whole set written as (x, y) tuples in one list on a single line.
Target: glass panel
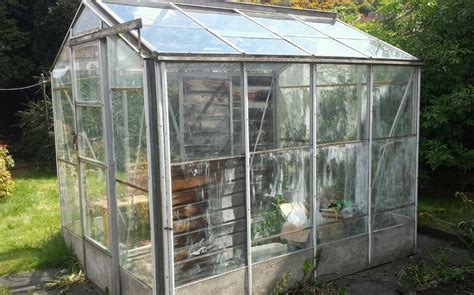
[(325, 47), (394, 217), (96, 207), (184, 40), (281, 120), (342, 182), (209, 218), (393, 94), (134, 232), (230, 24), (334, 28), (204, 110), (341, 103), (280, 202), (61, 75), (168, 30), (91, 137), (376, 49), (128, 113), (265, 46), (86, 73), (86, 22), (284, 25), (69, 191), (63, 104), (393, 173), (342, 229)]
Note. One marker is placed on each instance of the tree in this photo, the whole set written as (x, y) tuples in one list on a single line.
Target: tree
[(441, 34)]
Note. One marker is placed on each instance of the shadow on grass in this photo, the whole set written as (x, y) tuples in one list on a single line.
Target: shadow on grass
[(53, 253)]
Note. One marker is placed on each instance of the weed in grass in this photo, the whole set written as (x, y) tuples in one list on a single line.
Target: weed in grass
[(430, 273)]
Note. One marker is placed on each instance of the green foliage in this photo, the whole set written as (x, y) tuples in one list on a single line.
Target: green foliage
[(430, 273), (440, 33), (271, 221), (37, 134), (6, 182)]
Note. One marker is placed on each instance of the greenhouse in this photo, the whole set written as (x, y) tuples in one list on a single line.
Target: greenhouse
[(208, 147)]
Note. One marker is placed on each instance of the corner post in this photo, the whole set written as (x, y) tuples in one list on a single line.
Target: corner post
[(314, 197), (370, 94)]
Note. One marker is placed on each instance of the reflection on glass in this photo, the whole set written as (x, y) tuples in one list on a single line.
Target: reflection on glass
[(69, 193), (393, 173), (128, 113), (393, 101), (168, 30), (204, 110), (280, 203), (376, 49), (279, 105), (325, 47), (341, 103), (96, 207), (334, 28), (395, 217), (87, 75), (209, 218), (265, 46), (342, 229), (91, 137), (134, 236)]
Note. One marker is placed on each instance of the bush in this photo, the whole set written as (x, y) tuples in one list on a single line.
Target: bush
[(37, 132), (6, 181)]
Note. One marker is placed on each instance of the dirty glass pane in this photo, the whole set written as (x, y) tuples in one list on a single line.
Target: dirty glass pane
[(334, 28), (86, 73), (69, 193), (134, 238), (393, 173), (63, 104), (279, 105), (342, 182), (96, 207), (341, 103), (395, 217), (87, 21), (204, 110), (91, 137), (128, 113), (280, 202), (342, 229), (168, 30), (376, 49), (325, 47), (393, 94), (209, 216)]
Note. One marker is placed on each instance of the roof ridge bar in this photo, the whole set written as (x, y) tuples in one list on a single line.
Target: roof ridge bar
[(272, 31), (206, 27), (331, 37), (373, 37)]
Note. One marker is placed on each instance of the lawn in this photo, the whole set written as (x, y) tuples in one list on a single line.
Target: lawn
[(30, 225), (445, 213)]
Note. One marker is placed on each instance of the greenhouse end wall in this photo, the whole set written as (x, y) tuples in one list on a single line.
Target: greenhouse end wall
[(261, 164)]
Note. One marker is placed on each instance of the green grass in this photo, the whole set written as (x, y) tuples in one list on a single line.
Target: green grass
[(30, 225), (444, 213)]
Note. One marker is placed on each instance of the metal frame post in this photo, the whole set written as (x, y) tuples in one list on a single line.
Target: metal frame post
[(79, 173), (110, 165), (370, 96), (165, 173), (314, 197), (417, 92), (246, 144), (154, 177)]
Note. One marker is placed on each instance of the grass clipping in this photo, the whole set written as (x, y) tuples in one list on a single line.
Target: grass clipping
[(64, 282)]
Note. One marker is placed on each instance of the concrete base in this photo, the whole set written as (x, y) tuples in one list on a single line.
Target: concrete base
[(233, 282), (392, 243)]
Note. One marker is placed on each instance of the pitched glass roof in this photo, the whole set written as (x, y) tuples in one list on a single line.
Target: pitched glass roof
[(181, 28)]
